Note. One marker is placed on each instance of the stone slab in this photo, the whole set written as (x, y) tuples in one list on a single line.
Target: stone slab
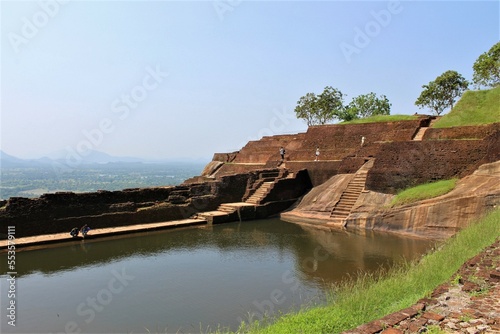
[(100, 232)]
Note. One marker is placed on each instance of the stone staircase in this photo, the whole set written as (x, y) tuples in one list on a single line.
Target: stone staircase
[(227, 207), (264, 184), (260, 193), (226, 212), (421, 131), (343, 207)]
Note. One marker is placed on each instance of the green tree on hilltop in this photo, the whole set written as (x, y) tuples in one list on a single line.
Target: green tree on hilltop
[(441, 93), (365, 106), (306, 108), (329, 105), (487, 68), (320, 109)]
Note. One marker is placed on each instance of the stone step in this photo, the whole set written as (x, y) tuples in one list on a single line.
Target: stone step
[(350, 195), (346, 205), (344, 199), (341, 212), (342, 209), (212, 213), (258, 197), (420, 134), (260, 192), (352, 192), (334, 215), (228, 209)]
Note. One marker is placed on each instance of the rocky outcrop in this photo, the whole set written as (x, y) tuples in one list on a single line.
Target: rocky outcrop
[(439, 217)]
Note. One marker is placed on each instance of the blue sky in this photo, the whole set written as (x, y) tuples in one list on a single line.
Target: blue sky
[(172, 79)]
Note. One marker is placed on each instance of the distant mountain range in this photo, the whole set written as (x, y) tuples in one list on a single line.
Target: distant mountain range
[(74, 160)]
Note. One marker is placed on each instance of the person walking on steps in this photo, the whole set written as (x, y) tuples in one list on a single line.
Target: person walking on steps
[(282, 153), (317, 154)]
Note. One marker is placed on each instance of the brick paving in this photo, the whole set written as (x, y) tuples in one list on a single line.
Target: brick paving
[(469, 303)]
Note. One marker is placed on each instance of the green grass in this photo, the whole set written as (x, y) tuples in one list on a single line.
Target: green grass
[(424, 191), (382, 118), (370, 297), (474, 108)]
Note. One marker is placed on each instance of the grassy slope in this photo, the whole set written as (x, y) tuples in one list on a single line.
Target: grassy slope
[(424, 191), (370, 298), (381, 118), (474, 108)]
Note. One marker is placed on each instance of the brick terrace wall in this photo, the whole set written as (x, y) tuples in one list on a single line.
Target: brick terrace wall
[(225, 157), (319, 171), (286, 189), (338, 141), (335, 142), (230, 169), (404, 164), (267, 148), (462, 132)]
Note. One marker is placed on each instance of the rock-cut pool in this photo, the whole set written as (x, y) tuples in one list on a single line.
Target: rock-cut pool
[(189, 280)]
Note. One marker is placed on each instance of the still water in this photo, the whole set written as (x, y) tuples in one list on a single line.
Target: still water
[(189, 280)]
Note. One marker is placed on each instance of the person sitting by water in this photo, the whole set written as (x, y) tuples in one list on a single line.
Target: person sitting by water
[(85, 229), (74, 232)]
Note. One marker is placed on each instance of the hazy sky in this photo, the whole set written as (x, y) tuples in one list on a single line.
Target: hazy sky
[(172, 79)]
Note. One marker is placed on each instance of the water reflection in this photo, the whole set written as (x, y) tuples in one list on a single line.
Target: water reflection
[(321, 255), (181, 278)]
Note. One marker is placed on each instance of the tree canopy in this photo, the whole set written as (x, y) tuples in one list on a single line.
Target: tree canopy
[(320, 109), (367, 105), (329, 105), (306, 108), (487, 68), (441, 93)]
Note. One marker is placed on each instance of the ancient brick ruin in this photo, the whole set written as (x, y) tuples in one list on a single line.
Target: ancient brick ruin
[(404, 153)]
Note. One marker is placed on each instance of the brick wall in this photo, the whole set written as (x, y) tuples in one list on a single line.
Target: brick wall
[(462, 132), (55, 213), (405, 164), (335, 141)]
